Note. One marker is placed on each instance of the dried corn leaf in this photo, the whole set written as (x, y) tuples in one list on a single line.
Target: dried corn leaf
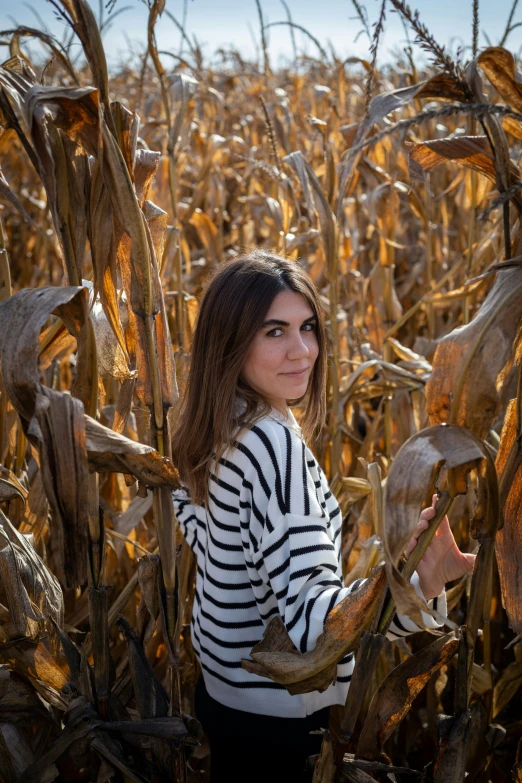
[(103, 251), (442, 86), (499, 66), (33, 592), (9, 490), (315, 670), (370, 556), (393, 698), (109, 451), (324, 769), (36, 508), (150, 695), (312, 189), (506, 686), (64, 123), (453, 735), (55, 341), (472, 152), (19, 703), (410, 476), (509, 538), (52, 421), (145, 167), (510, 125), (112, 359), (85, 27), (16, 755), (34, 662), (127, 129), (142, 284), (469, 361)]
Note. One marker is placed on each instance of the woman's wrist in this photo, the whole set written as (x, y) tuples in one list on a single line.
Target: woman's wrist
[(430, 589)]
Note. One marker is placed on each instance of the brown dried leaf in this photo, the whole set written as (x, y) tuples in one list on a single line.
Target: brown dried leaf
[(103, 250), (393, 698), (450, 762), (410, 476), (150, 695), (324, 770), (35, 663), (141, 281), (127, 128), (19, 703), (472, 152), (499, 66), (157, 220), (312, 189), (36, 508), (15, 753), (441, 86), (509, 538), (55, 342), (149, 607), (52, 421), (112, 357), (64, 123), (145, 167), (9, 490), (79, 185), (510, 125), (469, 360), (86, 28), (33, 592), (109, 451), (315, 670), (506, 686)]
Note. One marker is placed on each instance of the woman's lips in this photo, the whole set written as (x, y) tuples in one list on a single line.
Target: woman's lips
[(296, 374)]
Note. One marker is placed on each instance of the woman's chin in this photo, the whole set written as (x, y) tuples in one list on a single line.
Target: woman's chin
[(295, 388)]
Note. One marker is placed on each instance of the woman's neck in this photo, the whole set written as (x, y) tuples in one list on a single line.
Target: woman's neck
[(280, 406)]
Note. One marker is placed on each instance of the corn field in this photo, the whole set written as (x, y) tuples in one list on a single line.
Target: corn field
[(399, 191)]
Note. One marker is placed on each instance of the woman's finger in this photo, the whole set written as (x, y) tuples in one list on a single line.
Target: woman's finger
[(427, 513), (421, 527)]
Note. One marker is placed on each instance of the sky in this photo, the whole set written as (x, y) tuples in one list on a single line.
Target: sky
[(217, 23)]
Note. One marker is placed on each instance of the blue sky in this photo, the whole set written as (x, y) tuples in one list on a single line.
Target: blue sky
[(220, 22)]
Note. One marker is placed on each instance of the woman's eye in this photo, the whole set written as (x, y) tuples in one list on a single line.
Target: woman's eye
[(277, 329)]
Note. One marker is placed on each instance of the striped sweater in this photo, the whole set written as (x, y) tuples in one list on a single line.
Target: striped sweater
[(268, 544)]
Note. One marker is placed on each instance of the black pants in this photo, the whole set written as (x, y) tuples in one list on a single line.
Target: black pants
[(250, 748)]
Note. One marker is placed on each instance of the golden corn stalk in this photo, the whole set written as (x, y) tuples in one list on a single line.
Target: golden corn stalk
[(402, 200)]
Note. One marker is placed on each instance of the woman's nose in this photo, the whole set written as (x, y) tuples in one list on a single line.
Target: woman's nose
[(298, 347)]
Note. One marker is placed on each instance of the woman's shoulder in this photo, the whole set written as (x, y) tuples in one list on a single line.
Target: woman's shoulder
[(269, 440), (272, 438)]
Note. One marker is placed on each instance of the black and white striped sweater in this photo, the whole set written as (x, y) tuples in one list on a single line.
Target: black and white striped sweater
[(268, 544)]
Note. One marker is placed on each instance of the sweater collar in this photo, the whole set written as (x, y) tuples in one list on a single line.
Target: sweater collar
[(287, 419)]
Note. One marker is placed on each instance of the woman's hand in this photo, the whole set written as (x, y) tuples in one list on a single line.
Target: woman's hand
[(443, 561)]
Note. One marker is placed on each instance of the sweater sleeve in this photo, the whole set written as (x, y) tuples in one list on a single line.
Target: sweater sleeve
[(186, 514), (296, 547)]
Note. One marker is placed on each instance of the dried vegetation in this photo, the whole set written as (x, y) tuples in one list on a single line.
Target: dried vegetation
[(118, 198)]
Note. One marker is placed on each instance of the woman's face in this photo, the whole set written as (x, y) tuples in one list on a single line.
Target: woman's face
[(285, 344)]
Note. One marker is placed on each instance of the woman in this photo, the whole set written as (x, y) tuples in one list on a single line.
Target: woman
[(258, 513)]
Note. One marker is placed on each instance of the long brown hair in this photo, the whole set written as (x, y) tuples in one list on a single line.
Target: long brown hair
[(232, 310)]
